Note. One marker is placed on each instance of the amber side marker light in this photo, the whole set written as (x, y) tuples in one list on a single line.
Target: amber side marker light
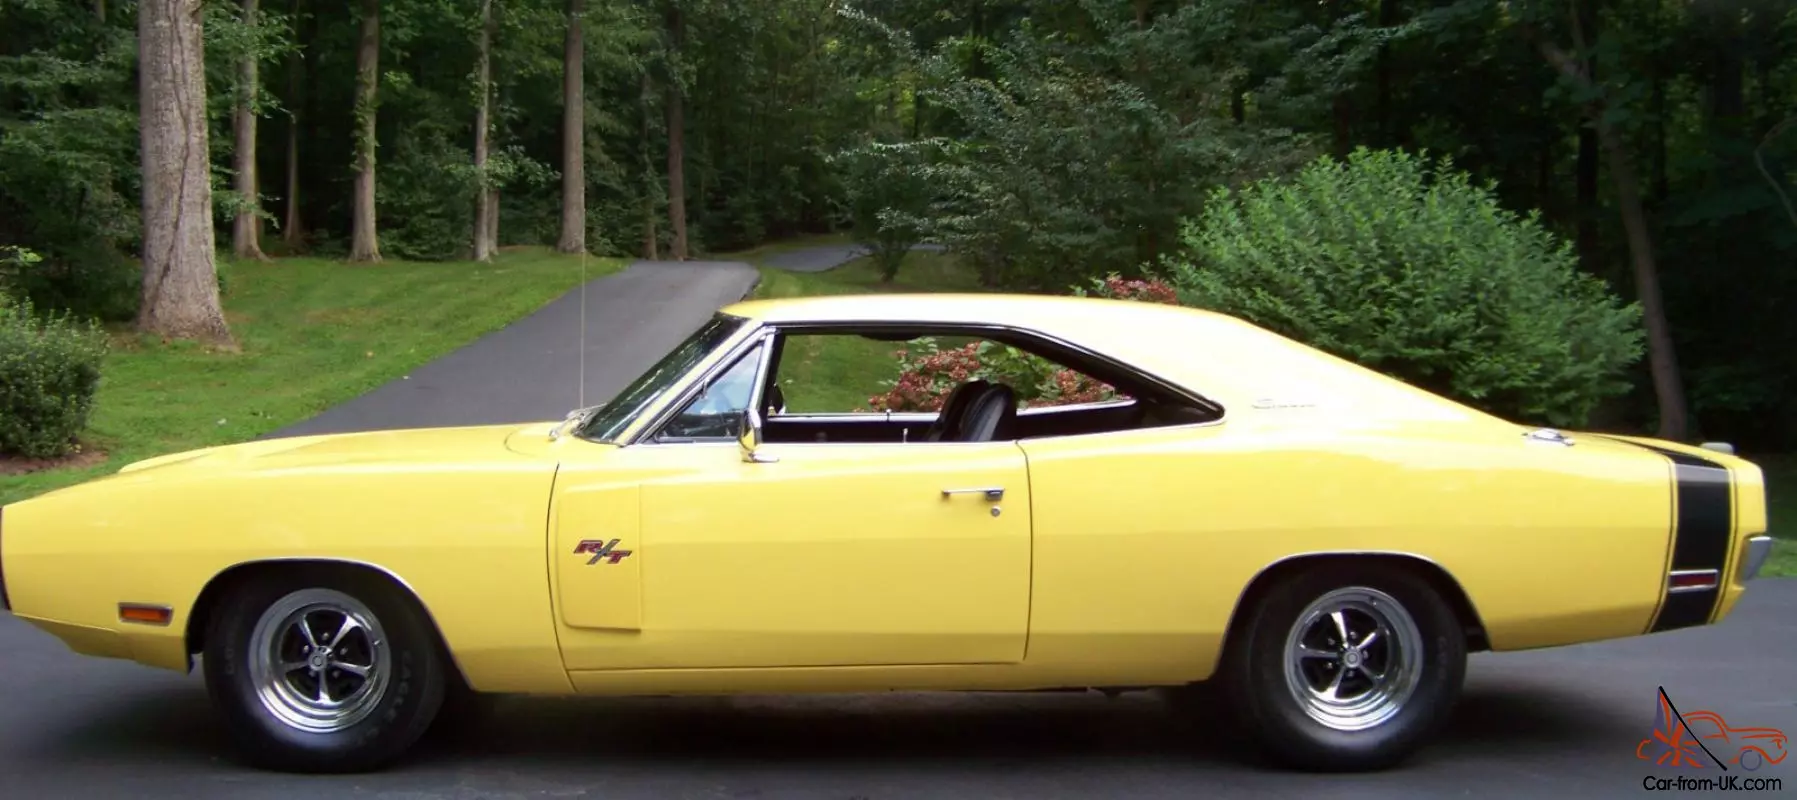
[(145, 614)]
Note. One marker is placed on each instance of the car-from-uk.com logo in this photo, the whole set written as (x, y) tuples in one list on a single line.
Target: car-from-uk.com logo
[(1710, 754)]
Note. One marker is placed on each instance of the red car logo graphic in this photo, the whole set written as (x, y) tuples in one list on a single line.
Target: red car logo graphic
[(1685, 740)]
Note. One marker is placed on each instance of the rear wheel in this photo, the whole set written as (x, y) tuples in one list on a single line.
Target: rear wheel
[(1346, 668), (323, 674)]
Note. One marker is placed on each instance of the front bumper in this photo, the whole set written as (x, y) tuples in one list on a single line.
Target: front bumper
[(1759, 548)]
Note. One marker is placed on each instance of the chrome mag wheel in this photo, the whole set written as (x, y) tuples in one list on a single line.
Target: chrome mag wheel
[(319, 660), (1353, 658)]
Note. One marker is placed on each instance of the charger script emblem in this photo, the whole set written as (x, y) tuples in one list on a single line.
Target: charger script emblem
[(600, 549)]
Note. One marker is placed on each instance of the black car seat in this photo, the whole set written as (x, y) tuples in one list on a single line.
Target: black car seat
[(952, 410), (990, 415)]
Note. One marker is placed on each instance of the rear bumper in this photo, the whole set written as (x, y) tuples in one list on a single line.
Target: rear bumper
[(1759, 548)]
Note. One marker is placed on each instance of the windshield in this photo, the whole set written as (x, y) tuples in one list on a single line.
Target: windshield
[(609, 421)]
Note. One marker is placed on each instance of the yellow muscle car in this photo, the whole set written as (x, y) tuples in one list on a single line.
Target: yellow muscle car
[(1239, 515)]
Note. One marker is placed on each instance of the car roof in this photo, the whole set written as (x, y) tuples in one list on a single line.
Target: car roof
[(1229, 360), (1046, 313)]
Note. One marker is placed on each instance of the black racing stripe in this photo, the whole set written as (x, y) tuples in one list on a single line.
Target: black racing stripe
[(1686, 610), (1705, 511), (1702, 531)]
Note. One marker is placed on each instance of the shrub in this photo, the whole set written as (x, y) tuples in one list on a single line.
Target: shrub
[(928, 373), (1116, 287), (88, 279), (1408, 268), (49, 371), (888, 196), (14, 261)]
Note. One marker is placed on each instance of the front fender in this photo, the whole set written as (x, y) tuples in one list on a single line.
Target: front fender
[(467, 537)]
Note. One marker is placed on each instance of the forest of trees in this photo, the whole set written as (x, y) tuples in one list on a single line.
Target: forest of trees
[(1045, 142)]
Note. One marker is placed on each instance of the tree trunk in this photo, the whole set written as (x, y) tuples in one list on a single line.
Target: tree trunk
[(1590, 257), (365, 243), (1588, 244), (676, 138), (246, 235), (483, 123), (651, 237), (574, 127), (292, 226), (1344, 125), (1662, 356), (493, 219), (180, 275), (1388, 18)]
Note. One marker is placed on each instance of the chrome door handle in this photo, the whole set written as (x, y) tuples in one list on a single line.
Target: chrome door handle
[(993, 493)]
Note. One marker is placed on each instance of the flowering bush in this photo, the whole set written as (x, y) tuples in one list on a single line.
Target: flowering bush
[(1116, 287), (925, 380), (928, 373)]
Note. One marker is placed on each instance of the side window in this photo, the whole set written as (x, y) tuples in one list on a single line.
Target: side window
[(717, 412), (838, 373)]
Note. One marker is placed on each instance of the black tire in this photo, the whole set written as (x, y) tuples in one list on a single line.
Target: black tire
[(465, 714), (1268, 704), (273, 728)]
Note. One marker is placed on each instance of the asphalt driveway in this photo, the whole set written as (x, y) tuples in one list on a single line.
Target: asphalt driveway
[(531, 370), (1554, 723)]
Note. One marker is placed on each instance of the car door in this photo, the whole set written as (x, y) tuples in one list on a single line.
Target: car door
[(813, 555)]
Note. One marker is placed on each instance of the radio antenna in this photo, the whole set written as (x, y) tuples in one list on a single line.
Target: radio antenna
[(581, 394)]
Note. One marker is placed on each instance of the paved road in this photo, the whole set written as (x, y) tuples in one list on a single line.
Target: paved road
[(1555, 723), (820, 259)]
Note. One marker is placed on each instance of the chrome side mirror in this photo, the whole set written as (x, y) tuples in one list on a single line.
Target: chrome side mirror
[(748, 438)]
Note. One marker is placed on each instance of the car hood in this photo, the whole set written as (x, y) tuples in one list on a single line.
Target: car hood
[(432, 446)]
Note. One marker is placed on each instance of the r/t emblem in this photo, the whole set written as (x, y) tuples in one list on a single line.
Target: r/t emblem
[(600, 549)]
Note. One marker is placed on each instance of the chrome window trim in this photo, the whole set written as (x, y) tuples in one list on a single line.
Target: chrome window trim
[(757, 337)]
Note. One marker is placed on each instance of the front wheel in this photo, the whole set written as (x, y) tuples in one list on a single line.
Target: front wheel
[(323, 675), (1346, 668)]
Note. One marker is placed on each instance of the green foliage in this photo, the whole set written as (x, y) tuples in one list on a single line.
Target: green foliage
[(888, 198), (1059, 140), (49, 372), (1077, 144), (14, 261), (1408, 267)]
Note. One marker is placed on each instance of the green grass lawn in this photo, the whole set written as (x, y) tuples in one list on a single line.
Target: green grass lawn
[(313, 334), (1781, 513)]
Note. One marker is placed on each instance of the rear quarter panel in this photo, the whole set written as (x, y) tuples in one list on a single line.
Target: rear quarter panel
[(1146, 540), (466, 537), (1747, 509)]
